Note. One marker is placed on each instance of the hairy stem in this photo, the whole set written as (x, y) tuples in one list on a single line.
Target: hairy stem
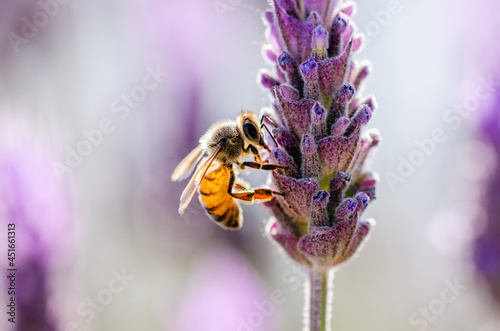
[(319, 308)]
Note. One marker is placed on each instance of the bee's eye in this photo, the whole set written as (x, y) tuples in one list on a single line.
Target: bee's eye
[(250, 131)]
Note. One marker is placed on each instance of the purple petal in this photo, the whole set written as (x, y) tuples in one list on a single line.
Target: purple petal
[(289, 66), (368, 142), (346, 208), (290, 93), (329, 148), (367, 101), (362, 116), (337, 188), (361, 74), (333, 72), (319, 213), (311, 164), (272, 32), (269, 54), (296, 35), (348, 8), (366, 183), (290, 6), (297, 114), (363, 201), (286, 139), (287, 241), (280, 157), (339, 26), (341, 102), (309, 70), (357, 43), (347, 35), (266, 80), (298, 192), (339, 127), (318, 121), (327, 249), (319, 43)]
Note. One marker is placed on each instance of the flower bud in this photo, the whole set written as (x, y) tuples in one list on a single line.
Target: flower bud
[(339, 127), (311, 164), (340, 104), (332, 73), (266, 80), (348, 8), (319, 213), (339, 25), (309, 71), (291, 69), (361, 75), (337, 188), (318, 122), (346, 209), (319, 43), (303, 191), (283, 159)]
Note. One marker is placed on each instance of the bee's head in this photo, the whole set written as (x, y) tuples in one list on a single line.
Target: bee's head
[(251, 129)]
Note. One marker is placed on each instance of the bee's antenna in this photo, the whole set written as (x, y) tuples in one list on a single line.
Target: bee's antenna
[(263, 125)]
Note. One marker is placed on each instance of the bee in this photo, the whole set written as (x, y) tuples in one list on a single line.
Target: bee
[(226, 143)]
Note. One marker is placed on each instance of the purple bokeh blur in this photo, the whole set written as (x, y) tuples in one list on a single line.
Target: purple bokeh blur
[(38, 205)]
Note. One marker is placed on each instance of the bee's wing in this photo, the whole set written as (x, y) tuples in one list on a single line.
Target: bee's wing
[(187, 165), (190, 190)]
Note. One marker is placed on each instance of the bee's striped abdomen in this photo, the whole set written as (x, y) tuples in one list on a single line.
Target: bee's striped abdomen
[(220, 206)]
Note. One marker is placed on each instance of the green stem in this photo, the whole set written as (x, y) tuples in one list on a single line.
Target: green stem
[(320, 300)]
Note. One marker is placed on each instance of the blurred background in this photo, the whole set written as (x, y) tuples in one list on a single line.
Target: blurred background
[(99, 101)]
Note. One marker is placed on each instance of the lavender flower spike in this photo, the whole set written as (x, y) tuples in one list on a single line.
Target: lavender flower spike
[(320, 115)]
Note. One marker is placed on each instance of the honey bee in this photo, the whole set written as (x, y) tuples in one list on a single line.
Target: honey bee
[(226, 143)]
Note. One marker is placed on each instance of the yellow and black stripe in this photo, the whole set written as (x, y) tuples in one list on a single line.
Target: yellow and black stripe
[(220, 206)]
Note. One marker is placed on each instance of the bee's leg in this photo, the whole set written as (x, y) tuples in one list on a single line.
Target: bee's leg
[(256, 155), (249, 195), (260, 166), (258, 158), (256, 194)]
